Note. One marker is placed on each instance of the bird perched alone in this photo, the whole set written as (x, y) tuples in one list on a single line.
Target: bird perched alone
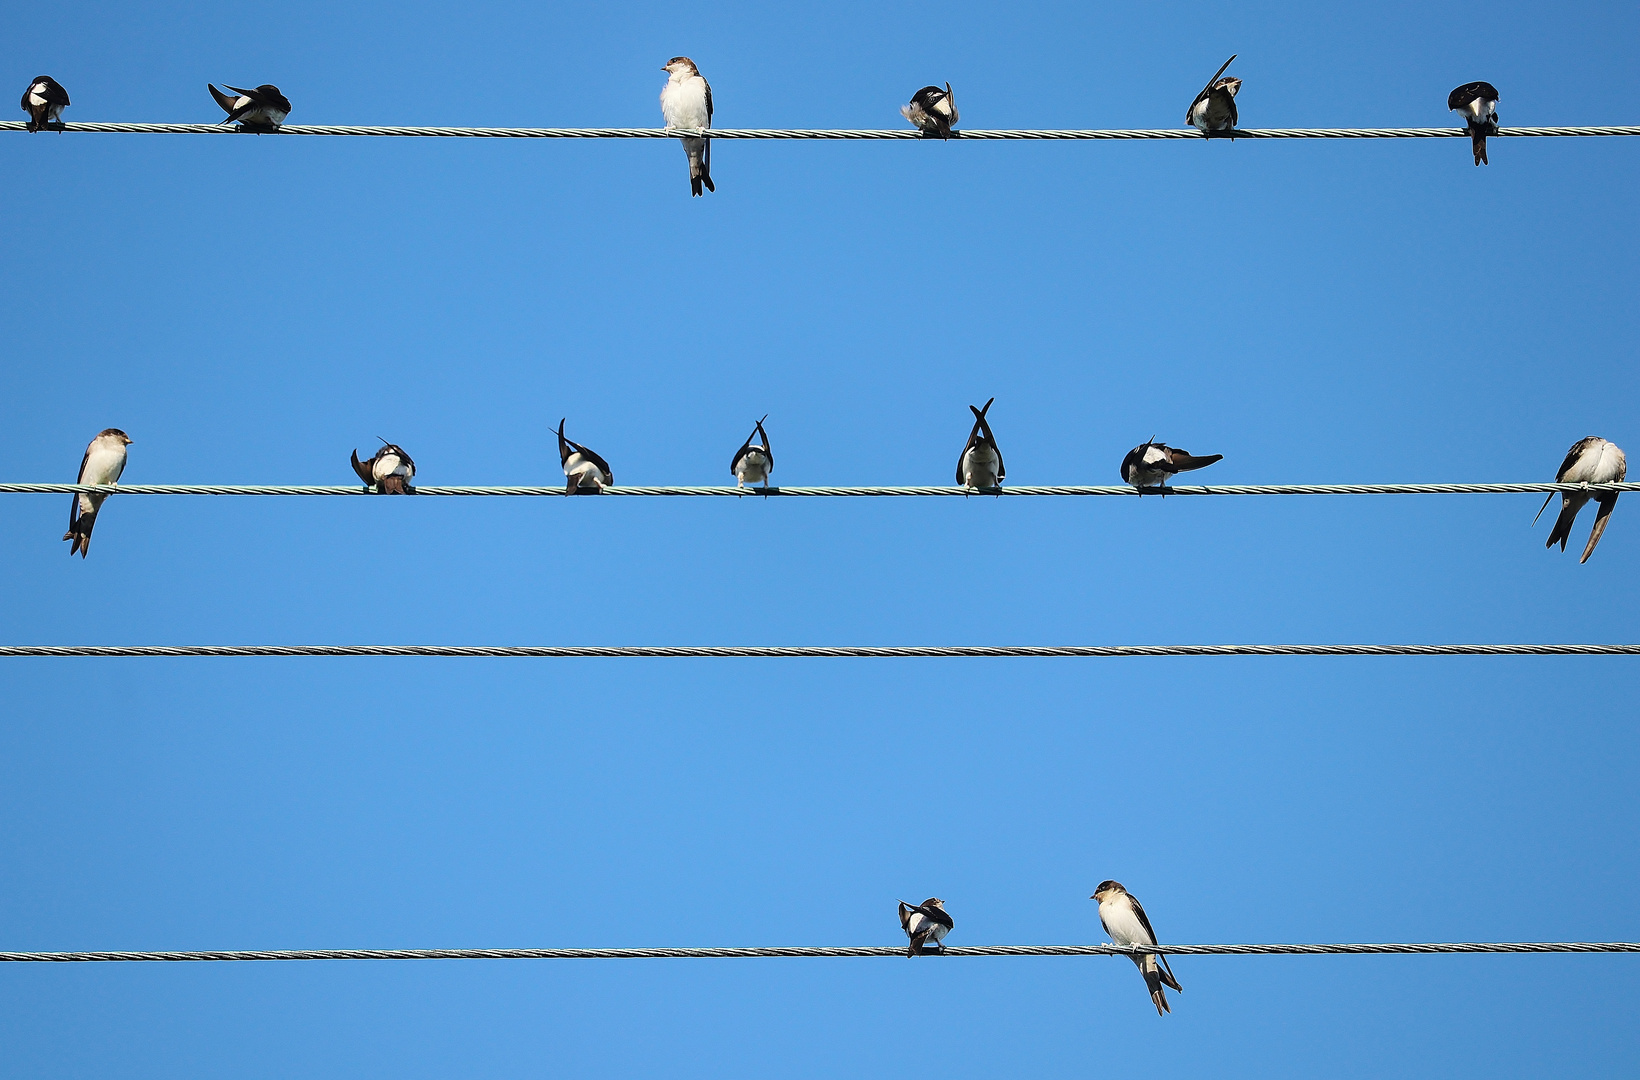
[(389, 472), (1125, 921), (1477, 103), (261, 109), (980, 465), (754, 461), (1152, 464), (1214, 109), (933, 110), (1590, 461), (587, 473), (924, 923), (44, 101), (103, 463), (686, 102)]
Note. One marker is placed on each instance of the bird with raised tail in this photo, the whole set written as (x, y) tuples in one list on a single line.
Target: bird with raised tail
[(261, 109), (754, 461), (925, 923), (1590, 461), (932, 110), (1153, 464), (1125, 921), (44, 101), (1477, 103), (980, 464), (686, 102), (103, 463), (389, 472), (1214, 110), (586, 472)]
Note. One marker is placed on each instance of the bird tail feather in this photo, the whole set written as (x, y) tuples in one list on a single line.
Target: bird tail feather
[(1600, 520), (79, 531), (1478, 139), (1569, 506), (1186, 463)]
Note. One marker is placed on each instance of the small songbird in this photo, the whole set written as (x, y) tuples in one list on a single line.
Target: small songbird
[(1590, 461), (1477, 103), (261, 109), (754, 461), (587, 472), (1125, 921), (924, 923), (44, 101), (103, 463), (980, 465), (1152, 464), (933, 110), (389, 472), (1214, 109), (686, 102)]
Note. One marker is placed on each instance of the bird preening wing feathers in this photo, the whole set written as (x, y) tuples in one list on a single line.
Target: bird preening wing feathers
[(980, 435), (745, 448), (1212, 84), (567, 447)]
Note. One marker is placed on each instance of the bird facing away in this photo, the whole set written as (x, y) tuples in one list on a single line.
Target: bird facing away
[(389, 472), (1125, 921), (933, 110), (261, 109), (924, 923), (587, 473), (1214, 109), (1152, 464), (103, 463), (754, 461), (686, 102), (1477, 103), (1590, 461), (980, 465), (44, 101)]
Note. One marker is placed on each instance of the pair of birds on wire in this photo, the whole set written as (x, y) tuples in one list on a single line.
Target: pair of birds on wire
[(261, 108), (1123, 917)]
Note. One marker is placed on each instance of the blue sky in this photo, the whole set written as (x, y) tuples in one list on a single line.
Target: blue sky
[(250, 310)]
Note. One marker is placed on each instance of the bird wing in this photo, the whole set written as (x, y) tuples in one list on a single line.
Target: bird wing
[(596, 460), (1144, 920), (227, 103), (363, 469), (708, 86), (1577, 451), (1208, 88), (744, 447), (1230, 100), (52, 92), (563, 444), (768, 448)]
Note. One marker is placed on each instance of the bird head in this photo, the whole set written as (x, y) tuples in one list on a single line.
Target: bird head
[(1229, 84), (116, 433), (680, 65), (1107, 888)]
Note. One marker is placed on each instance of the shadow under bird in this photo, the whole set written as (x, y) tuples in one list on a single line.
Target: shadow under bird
[(686, 102), (389, 472), (586, 472), (103, 463), (1477, 103), (924, 923), (933, 110), (1152, 464), (1124, 919), (1214, 110), (754, 461), (261, 109), (1590, 461), (980, 464), (44, 101)]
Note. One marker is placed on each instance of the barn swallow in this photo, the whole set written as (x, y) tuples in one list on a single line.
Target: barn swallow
[(1477, 102), (1590, 461), (686, 102), (389, 472), (933, 110), (1124, 920), (1214, 109), (262, 109), (587, 472), (980, 464), (44, 101), (1152, 464), (103, 463), (926, 922), (753, 462)]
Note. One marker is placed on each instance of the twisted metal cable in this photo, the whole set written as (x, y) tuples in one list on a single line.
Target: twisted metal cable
[(820, 651)]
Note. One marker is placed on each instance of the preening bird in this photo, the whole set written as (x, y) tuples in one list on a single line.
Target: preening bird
[(1125, 921), (389, 472), (1214, 109), (44, 101), (261, 109), (1590, 461), (980, 465), (754, 461), (103, 463), (933, 110), (924, 923), (587, 473), (686, 102), (1152, 464), (1477, 103)]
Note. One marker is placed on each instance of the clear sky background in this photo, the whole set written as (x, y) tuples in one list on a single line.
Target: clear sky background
[(251, 309)]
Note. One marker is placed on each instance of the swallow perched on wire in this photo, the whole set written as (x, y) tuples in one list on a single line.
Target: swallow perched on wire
[(1125, 921), (389, 472), (924, 923), (754, 461), (1214, 109), (1152, 464), (980, 464), (686, 102), (103, 463), (261, 109), (1590, 461), (933, 110), (44, 101), (587, 473), (1477, 103)]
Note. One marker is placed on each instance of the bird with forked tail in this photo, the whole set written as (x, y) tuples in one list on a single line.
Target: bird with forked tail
[(1125, 921), (262, 109), (389, 472), (686, 102), (980, 464), (44, 101), (1153, 464), (586, 472), (933, 110), (102, 464), (1477, 103), (1214, 110), (925, 922), (1590, 461), (754, 461)]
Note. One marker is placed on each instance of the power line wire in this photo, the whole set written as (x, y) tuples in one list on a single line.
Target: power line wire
[(817, 651)]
